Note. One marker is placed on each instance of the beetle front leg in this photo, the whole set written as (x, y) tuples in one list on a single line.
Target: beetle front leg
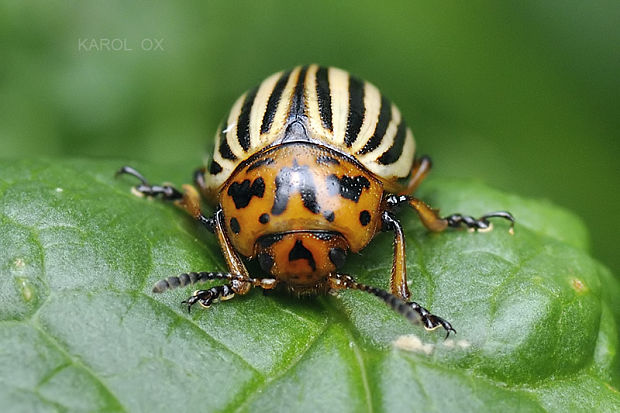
[(421, 167), (398, 279), (240, 280), (207, 297), (166, 192), (223, 292), (189, 199), (433, 222), (431, 321)]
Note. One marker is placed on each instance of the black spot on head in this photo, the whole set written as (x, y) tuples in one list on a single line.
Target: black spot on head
[(364, 217), (265, 261), (337, 256), (263, 219), (348, 187), (329, 215), (215, 168), (299, 252), (243, 192), (234, 225)]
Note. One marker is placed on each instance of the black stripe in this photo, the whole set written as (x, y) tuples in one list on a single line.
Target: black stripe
[(215, 168), (272, 103), (324, 97), (385, 116), (243, 123), (356, 110), (224, 148), (259, 163), (396, 150), (298, 107)]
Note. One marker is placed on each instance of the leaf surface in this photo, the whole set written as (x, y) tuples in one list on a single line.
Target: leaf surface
[(537, 318)]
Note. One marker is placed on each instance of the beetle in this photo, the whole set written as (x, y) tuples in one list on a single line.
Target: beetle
[(308, 166)]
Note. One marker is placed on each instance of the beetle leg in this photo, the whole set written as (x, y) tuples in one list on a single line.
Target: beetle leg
[(411, 310), (421, 167), (166, 192), (233, 261), (398, 280), (431, 321), (224, 292), (199, 179), (189, 199), (432, 221), (212, 295), (210, 194), (482, 223)]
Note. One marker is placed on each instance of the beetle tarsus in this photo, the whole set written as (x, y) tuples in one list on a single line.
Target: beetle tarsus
[(128, 170), (480, 224), (207, 297), (431, 321), (167, 192)]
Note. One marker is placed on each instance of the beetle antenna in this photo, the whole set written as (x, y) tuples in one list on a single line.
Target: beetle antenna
[(395, 303), (186, 279)]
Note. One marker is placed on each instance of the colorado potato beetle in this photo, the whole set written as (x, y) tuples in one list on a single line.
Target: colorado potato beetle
[(307, 167)]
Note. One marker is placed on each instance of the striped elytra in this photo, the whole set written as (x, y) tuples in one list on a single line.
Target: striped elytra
[(322, 105)]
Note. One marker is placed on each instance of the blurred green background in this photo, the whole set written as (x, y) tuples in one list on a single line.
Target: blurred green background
[(522, 95)]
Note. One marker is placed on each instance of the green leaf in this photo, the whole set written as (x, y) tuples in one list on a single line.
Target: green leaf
[(537, 318)]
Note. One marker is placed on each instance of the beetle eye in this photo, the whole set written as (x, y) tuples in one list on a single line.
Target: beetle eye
[(337, 256), (265, 261)]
